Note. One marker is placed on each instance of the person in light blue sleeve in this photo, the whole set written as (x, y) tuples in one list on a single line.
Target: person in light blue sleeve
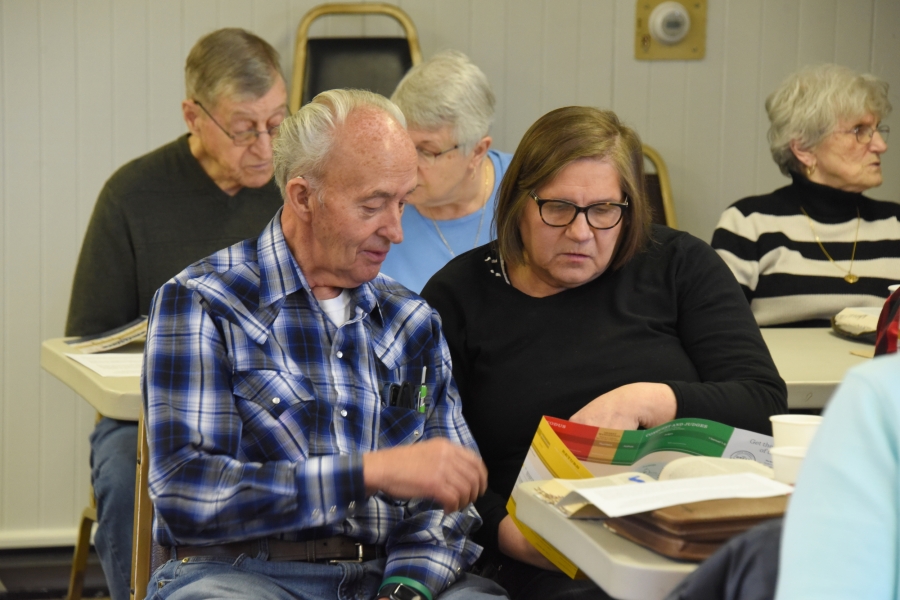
[(449, 107), (842, 530)]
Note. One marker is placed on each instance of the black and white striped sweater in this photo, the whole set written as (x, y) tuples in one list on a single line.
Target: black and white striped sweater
[(769, 245)]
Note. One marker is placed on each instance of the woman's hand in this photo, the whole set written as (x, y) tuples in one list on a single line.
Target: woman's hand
[(629, 407), (513, 544)]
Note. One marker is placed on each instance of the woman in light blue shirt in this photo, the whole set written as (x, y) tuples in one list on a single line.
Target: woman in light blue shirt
[(449, 107), (842, 531)]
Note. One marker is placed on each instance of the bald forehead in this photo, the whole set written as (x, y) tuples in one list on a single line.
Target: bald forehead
[(369, 149), (369, 128), (369, 140)]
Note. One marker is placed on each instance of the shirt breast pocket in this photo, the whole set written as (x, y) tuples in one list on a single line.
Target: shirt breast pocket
[(399, 426), (282, 419)]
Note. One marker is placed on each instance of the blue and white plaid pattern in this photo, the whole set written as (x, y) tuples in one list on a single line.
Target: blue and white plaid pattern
[(259, 410)]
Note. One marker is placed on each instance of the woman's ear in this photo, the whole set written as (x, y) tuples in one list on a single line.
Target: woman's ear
[(807, 157), (480, 150)]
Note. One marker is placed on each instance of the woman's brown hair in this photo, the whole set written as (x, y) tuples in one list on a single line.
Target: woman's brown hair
[(557, 139)]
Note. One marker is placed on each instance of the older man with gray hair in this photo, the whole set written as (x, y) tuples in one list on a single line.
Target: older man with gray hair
[(306, 436), (159, 213)]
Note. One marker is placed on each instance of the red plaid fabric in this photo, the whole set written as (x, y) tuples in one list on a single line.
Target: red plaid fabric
[(888, 325)]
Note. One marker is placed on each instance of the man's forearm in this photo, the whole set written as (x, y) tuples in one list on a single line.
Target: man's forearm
[(250, 500)]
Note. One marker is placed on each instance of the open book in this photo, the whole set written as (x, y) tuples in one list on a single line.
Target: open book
[(687, 518), (565, 450), (136, 331), (685, 480)]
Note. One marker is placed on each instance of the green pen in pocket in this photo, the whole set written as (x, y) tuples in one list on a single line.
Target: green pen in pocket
[(423, 391)]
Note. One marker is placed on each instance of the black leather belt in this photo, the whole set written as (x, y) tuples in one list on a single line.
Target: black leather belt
[(333, 549)]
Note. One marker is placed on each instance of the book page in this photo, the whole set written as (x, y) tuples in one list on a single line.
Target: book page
[(622, 500), (563, 493), (110, 364)]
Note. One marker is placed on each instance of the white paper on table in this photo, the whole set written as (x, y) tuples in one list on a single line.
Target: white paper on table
[(857, 320), (621, 500), (112, 364)]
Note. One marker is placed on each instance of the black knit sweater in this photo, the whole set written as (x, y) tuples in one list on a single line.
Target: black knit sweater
[(673, 315)]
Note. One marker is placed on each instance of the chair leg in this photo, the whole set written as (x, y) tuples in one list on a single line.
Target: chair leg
[(82, 549)]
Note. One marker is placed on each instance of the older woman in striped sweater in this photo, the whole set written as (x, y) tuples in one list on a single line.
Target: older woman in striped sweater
[(812, 248)]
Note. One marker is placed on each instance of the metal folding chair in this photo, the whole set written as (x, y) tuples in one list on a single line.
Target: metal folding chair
[(376, 64)]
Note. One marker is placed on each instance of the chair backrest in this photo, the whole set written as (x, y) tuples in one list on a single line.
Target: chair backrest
[(371, 63), (659, 190)]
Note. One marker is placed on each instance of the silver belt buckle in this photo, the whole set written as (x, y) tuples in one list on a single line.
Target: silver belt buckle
[(358, 559)]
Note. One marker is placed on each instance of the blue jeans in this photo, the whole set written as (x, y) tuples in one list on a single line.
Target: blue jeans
[(202, 577), (113, 462)]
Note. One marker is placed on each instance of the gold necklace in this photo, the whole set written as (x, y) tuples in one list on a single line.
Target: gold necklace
[(849, 277)]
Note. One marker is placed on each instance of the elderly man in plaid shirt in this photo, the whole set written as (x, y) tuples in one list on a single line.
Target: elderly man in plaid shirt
[(294, 453)]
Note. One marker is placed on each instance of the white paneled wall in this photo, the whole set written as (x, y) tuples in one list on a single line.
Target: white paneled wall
[(87, 85)]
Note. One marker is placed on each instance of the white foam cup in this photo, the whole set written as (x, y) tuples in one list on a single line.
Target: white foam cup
[(786, 461), (794, 430)]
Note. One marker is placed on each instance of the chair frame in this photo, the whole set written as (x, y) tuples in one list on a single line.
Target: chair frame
[(356, 8), (665, 186), (83, 543), (141, 550), (82, 550)]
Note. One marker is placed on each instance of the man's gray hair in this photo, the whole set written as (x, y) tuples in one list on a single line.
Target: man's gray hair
[(808, 105), (304, 139), (230, 62), (448, 89)]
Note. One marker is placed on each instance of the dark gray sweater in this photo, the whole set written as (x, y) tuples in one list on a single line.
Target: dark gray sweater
[(155, 216)]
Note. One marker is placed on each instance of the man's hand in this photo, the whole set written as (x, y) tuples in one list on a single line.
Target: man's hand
[(513, 543), (452, 475), (629, 407)]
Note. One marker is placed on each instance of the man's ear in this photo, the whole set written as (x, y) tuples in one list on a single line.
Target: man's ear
[(299, 197), (807, 157), (190, 112)]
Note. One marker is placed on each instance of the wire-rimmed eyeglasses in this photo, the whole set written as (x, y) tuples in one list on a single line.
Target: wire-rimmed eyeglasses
[(561, 213), (429, 157), (242, 138), (865, 133)]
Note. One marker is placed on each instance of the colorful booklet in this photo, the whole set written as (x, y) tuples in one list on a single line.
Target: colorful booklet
[(565, 450)]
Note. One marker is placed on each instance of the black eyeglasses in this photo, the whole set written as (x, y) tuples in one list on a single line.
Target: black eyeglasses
[(429, 156), (561, 213), (243, 138), (865, 133)]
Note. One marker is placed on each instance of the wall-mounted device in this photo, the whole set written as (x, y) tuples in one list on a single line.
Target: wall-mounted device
[(670, 30)]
